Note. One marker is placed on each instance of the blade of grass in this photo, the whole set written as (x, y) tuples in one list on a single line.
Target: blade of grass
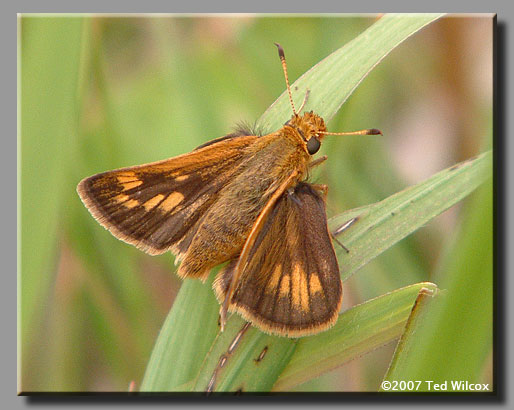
[(185, 338), (365, 52), (379, 226), (50, 54), (116, 298), (334, 79), (431, 349), (259, 359), (358, 330), (382, 224), (243, 360)]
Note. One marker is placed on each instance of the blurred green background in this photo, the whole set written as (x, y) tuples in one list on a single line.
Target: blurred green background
[(98, 93)]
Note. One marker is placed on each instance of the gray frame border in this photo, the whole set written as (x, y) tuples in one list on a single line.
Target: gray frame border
[(504, 173)]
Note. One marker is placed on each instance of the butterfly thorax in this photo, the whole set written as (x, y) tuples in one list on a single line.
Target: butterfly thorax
[(268, 163)]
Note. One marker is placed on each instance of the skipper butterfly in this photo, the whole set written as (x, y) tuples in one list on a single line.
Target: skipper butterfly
[(241, 199)]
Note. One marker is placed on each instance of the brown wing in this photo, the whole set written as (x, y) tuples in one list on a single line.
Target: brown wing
[(291, 284), (153, 206)]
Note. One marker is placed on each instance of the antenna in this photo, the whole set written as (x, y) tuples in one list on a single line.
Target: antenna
[(369, 131), (284, 66)]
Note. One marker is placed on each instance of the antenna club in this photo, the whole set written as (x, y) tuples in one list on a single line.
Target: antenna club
[(284, 67), (280, 51)]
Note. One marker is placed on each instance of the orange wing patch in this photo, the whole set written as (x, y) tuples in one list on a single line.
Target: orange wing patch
[(153, 202), (314, 284), (285, 286), (300, 292), (171, 201)]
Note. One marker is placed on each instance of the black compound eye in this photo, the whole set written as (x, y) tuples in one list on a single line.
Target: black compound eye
[(313, 145)]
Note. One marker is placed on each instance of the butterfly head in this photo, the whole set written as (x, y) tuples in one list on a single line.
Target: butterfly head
[(311, 129)]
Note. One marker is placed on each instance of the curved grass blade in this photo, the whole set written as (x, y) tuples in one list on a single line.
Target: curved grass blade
[(366, 51), (243, 359), (359, 330), (185, 338), (431, 349), (380, 225), (334, 79)]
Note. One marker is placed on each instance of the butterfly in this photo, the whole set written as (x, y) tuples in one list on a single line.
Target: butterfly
[(243, 200)]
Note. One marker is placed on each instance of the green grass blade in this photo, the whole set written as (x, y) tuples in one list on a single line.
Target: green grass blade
[(431, 348), (381, 225), (358, 330), (376, 230), (48, 116), (333, 80), (250, 363), (164, 371), (185, 338)]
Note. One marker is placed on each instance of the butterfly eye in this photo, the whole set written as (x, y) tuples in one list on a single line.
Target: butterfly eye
[(313, 145)]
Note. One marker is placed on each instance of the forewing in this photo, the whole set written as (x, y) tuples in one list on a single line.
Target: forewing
[(154, 206), (291, 284)]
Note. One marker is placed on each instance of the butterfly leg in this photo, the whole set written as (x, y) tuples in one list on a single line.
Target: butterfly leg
[(345, 226), (340, 230), (321, 188), (304, 100), (318, 161), (241, 263), (339, 243)]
